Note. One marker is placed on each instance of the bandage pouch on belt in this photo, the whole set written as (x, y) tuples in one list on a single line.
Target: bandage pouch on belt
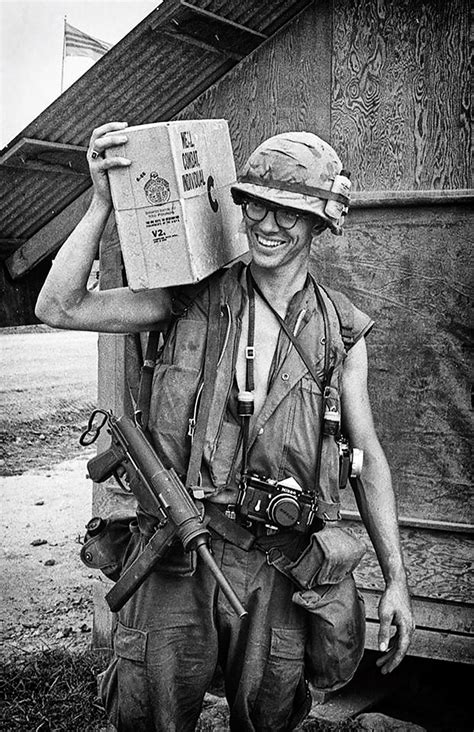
[(107, 550), (336, 633), (332, 554), (336, 616)]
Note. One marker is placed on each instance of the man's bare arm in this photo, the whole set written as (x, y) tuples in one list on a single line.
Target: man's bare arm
[(65, 301), (376, 502)]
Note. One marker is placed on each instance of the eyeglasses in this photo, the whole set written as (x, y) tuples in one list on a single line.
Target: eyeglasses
[(257, 210)]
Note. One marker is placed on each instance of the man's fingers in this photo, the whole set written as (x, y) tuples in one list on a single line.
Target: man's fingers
[(108, 127), (104, 137), (104, 143), (384, 632), (396, 648), (115, 163)]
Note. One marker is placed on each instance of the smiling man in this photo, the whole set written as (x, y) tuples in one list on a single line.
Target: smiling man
[(287, 417)]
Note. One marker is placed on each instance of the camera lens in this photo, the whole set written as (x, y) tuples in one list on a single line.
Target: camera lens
[(284, 511)]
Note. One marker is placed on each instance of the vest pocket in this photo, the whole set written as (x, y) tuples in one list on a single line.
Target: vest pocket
[(222, 453), (301, 432), (172, 406), (190, 343)]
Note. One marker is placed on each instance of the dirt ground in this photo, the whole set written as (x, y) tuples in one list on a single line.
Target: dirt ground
[(45, 497), (46, 591)]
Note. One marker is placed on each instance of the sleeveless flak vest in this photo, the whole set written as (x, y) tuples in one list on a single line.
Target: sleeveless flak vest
[(285, 437)]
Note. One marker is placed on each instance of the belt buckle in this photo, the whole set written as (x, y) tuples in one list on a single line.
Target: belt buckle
[(272, 555)]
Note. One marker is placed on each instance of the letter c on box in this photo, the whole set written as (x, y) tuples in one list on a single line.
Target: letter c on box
[(214, 203)]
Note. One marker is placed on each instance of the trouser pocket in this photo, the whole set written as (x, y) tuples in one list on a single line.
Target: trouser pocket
[(107, 691), (282, 677), (123, 686)]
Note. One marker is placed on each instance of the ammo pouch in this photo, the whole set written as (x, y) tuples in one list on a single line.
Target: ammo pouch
[(333, 553), (107, 549), (336, 615)]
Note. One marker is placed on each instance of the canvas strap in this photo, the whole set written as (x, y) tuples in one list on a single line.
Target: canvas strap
[(142, 409), (325, 511), (296, 343)]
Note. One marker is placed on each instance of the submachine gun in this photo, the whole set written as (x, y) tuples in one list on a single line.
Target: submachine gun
[(160, 492)]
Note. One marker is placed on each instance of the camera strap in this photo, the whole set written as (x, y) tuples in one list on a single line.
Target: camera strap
[(253, 287)]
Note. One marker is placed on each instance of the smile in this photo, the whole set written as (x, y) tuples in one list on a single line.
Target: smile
[(269, 243)]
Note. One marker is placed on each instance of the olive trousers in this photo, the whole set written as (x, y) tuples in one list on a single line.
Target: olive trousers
[(175, 630)]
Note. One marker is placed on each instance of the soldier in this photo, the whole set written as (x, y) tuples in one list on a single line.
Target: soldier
[(290, 381)]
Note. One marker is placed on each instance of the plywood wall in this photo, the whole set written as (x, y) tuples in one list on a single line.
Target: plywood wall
[(387, 83), (401, 92), (410, 269), (284, 85)]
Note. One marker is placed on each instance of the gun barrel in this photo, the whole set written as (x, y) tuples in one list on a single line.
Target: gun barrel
[(207, 558)]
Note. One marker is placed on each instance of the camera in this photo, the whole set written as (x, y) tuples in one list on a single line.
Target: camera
[(278, 505), (350, 461)]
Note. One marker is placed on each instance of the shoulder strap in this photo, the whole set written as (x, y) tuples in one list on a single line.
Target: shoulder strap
[(345, 314), (142, 409)]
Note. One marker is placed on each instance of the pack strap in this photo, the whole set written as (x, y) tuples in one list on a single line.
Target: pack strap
[(345, 314), (211, 359), (142, 408)]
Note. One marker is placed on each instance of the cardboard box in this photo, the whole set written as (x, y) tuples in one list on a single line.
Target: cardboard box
[(175, 216)]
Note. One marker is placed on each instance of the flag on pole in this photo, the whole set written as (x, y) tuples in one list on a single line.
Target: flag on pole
[(78, 43)]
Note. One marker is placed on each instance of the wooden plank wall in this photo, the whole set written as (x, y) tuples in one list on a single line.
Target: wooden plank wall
[(285, 84), (409, 268), (401, 93), (387, 83)]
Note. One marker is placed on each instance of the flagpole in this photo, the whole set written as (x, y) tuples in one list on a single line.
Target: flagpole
[(64, 54)]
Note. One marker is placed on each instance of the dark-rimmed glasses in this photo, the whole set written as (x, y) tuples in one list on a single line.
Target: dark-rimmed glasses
[(257, 210)]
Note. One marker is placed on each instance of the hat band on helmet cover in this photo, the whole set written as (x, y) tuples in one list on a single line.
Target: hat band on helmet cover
[(296, 188)]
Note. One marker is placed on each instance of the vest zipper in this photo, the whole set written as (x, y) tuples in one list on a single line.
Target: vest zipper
[(192, 421), (234, 359)]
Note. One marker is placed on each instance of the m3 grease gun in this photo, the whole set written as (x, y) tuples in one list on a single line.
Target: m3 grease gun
[(160, 492)]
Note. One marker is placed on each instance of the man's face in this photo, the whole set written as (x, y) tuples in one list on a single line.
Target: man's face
[(271, 243)]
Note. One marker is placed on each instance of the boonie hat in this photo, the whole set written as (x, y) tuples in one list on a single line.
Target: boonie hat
[(294, 170)]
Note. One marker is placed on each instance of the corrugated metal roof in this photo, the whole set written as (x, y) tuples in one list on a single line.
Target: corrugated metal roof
[(164, 63)]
